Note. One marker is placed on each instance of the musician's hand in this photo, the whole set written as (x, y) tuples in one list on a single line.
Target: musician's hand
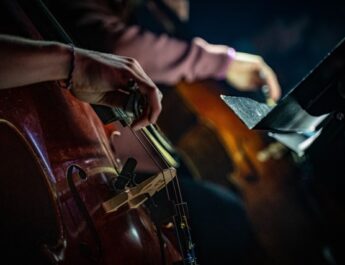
[(248, 72), (98, 77)]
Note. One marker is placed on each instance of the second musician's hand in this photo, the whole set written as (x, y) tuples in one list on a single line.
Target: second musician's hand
[(248, 72)]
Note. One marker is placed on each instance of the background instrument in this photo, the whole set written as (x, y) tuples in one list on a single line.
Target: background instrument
[(218, 147), (310, 120)]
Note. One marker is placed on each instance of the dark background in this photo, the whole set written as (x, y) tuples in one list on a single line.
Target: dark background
[(291, 36)]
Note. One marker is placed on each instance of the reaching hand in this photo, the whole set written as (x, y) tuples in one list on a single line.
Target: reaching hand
[(248, 72), (99, 78)]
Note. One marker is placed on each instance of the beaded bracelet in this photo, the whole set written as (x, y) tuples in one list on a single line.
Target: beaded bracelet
[(68, 83)]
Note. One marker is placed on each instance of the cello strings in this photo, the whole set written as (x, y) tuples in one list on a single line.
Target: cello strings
[(166, 187), (154, 159), (179, 193), (124, 117), (178, 196), (175, 183)]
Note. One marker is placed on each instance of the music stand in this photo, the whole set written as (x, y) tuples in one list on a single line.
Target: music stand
[(313, 110)]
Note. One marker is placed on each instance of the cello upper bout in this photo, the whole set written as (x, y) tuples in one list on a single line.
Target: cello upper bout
[(28, 208)]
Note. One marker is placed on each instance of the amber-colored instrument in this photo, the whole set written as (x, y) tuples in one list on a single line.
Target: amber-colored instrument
[(218, 147)]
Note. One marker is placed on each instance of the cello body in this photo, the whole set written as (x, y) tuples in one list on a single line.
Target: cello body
[(55, 167)]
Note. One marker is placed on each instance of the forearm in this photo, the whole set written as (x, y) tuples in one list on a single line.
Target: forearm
[(169, 60), (25, 62), (165, 59)]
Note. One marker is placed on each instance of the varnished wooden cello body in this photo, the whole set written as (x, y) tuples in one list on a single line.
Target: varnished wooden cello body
[(57, 204)]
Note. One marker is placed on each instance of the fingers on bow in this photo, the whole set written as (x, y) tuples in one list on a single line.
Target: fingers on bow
[(153, 107)]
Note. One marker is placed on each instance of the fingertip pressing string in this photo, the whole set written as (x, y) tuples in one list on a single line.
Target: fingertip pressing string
[(68, 83)]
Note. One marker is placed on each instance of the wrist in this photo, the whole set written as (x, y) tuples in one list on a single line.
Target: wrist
[(230, 56), (67, 82), (58, 57)]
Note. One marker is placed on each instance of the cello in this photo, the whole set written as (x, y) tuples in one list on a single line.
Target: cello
[(61, 198)]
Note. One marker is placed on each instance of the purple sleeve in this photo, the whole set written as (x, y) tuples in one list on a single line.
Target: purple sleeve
[(165, 59), (168, 60)]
